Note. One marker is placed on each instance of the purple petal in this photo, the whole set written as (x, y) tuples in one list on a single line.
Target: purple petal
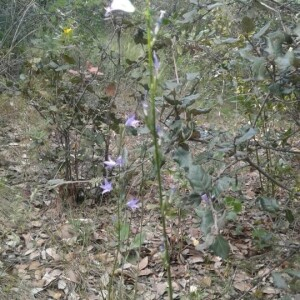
[(132, 122), (120, 161), (156, 62), (106, 187), (133, 204), (110, 163)]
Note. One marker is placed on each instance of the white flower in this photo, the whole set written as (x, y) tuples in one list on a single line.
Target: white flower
[(123, 5)]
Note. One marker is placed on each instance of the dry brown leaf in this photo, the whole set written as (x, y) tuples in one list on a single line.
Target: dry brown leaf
[(36, 224), (66, 232), (28, 240), (206, 281), (34, 255), (242, 286), (55, 294), (270, 290), (143, 263), (40, 242), (34, 265), (71, 276), (104, 279), (105, 258), (145, 272), (61, 285), (51, 276), (195, 259), (161, 288), (52, 252)]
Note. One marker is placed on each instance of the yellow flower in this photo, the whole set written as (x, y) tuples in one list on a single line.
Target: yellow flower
[(68, 31)]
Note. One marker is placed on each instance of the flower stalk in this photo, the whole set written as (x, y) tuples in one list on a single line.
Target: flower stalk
[(151, 122)]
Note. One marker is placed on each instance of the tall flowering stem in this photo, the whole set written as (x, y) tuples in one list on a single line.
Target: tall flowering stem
[(151, 122)]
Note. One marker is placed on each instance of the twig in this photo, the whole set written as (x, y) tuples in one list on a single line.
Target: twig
[(259, 169)]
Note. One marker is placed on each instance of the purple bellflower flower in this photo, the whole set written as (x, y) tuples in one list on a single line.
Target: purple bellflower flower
[(133, 204), (106, 187), (110, 163), (205, 198), (159, 21), (132, 122), (156, 62)]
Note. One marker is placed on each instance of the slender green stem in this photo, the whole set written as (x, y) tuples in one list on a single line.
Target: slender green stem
[(151, 122)]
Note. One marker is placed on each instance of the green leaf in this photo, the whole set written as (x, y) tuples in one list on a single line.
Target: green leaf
[(183, 158), (279, 281), (262, 31), (268, 204), (234, 203), (274, 42), (247, 136), (189, 100), (294, 273), (192, 76), (289, 216), (199, 179), (206, 219), (286, 61), (197, 112), (62, 68), (197, 176), (188, 17), (259, 68), (224, 183), (68, 59), (247, 25), (171, 85), (138, 241), (124, 231), (220, 247)]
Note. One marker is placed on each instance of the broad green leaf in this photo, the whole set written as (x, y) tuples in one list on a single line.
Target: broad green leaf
[(189, 100), (294, 273), (197, 112), (124, 231), (199, 179), (289, 216), (224, 183), (192, 76), (70, 60), (171, 85), (286, 61), (259, 68), (188, 17), (274, 42), (247, 25), (268, 204), (247, 136), (262, 31), (206, 219), (279, 281), (171, 100), (183, 158), (62, 68), (231, 216), (138, 241), (234, 203), (220, 247)]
